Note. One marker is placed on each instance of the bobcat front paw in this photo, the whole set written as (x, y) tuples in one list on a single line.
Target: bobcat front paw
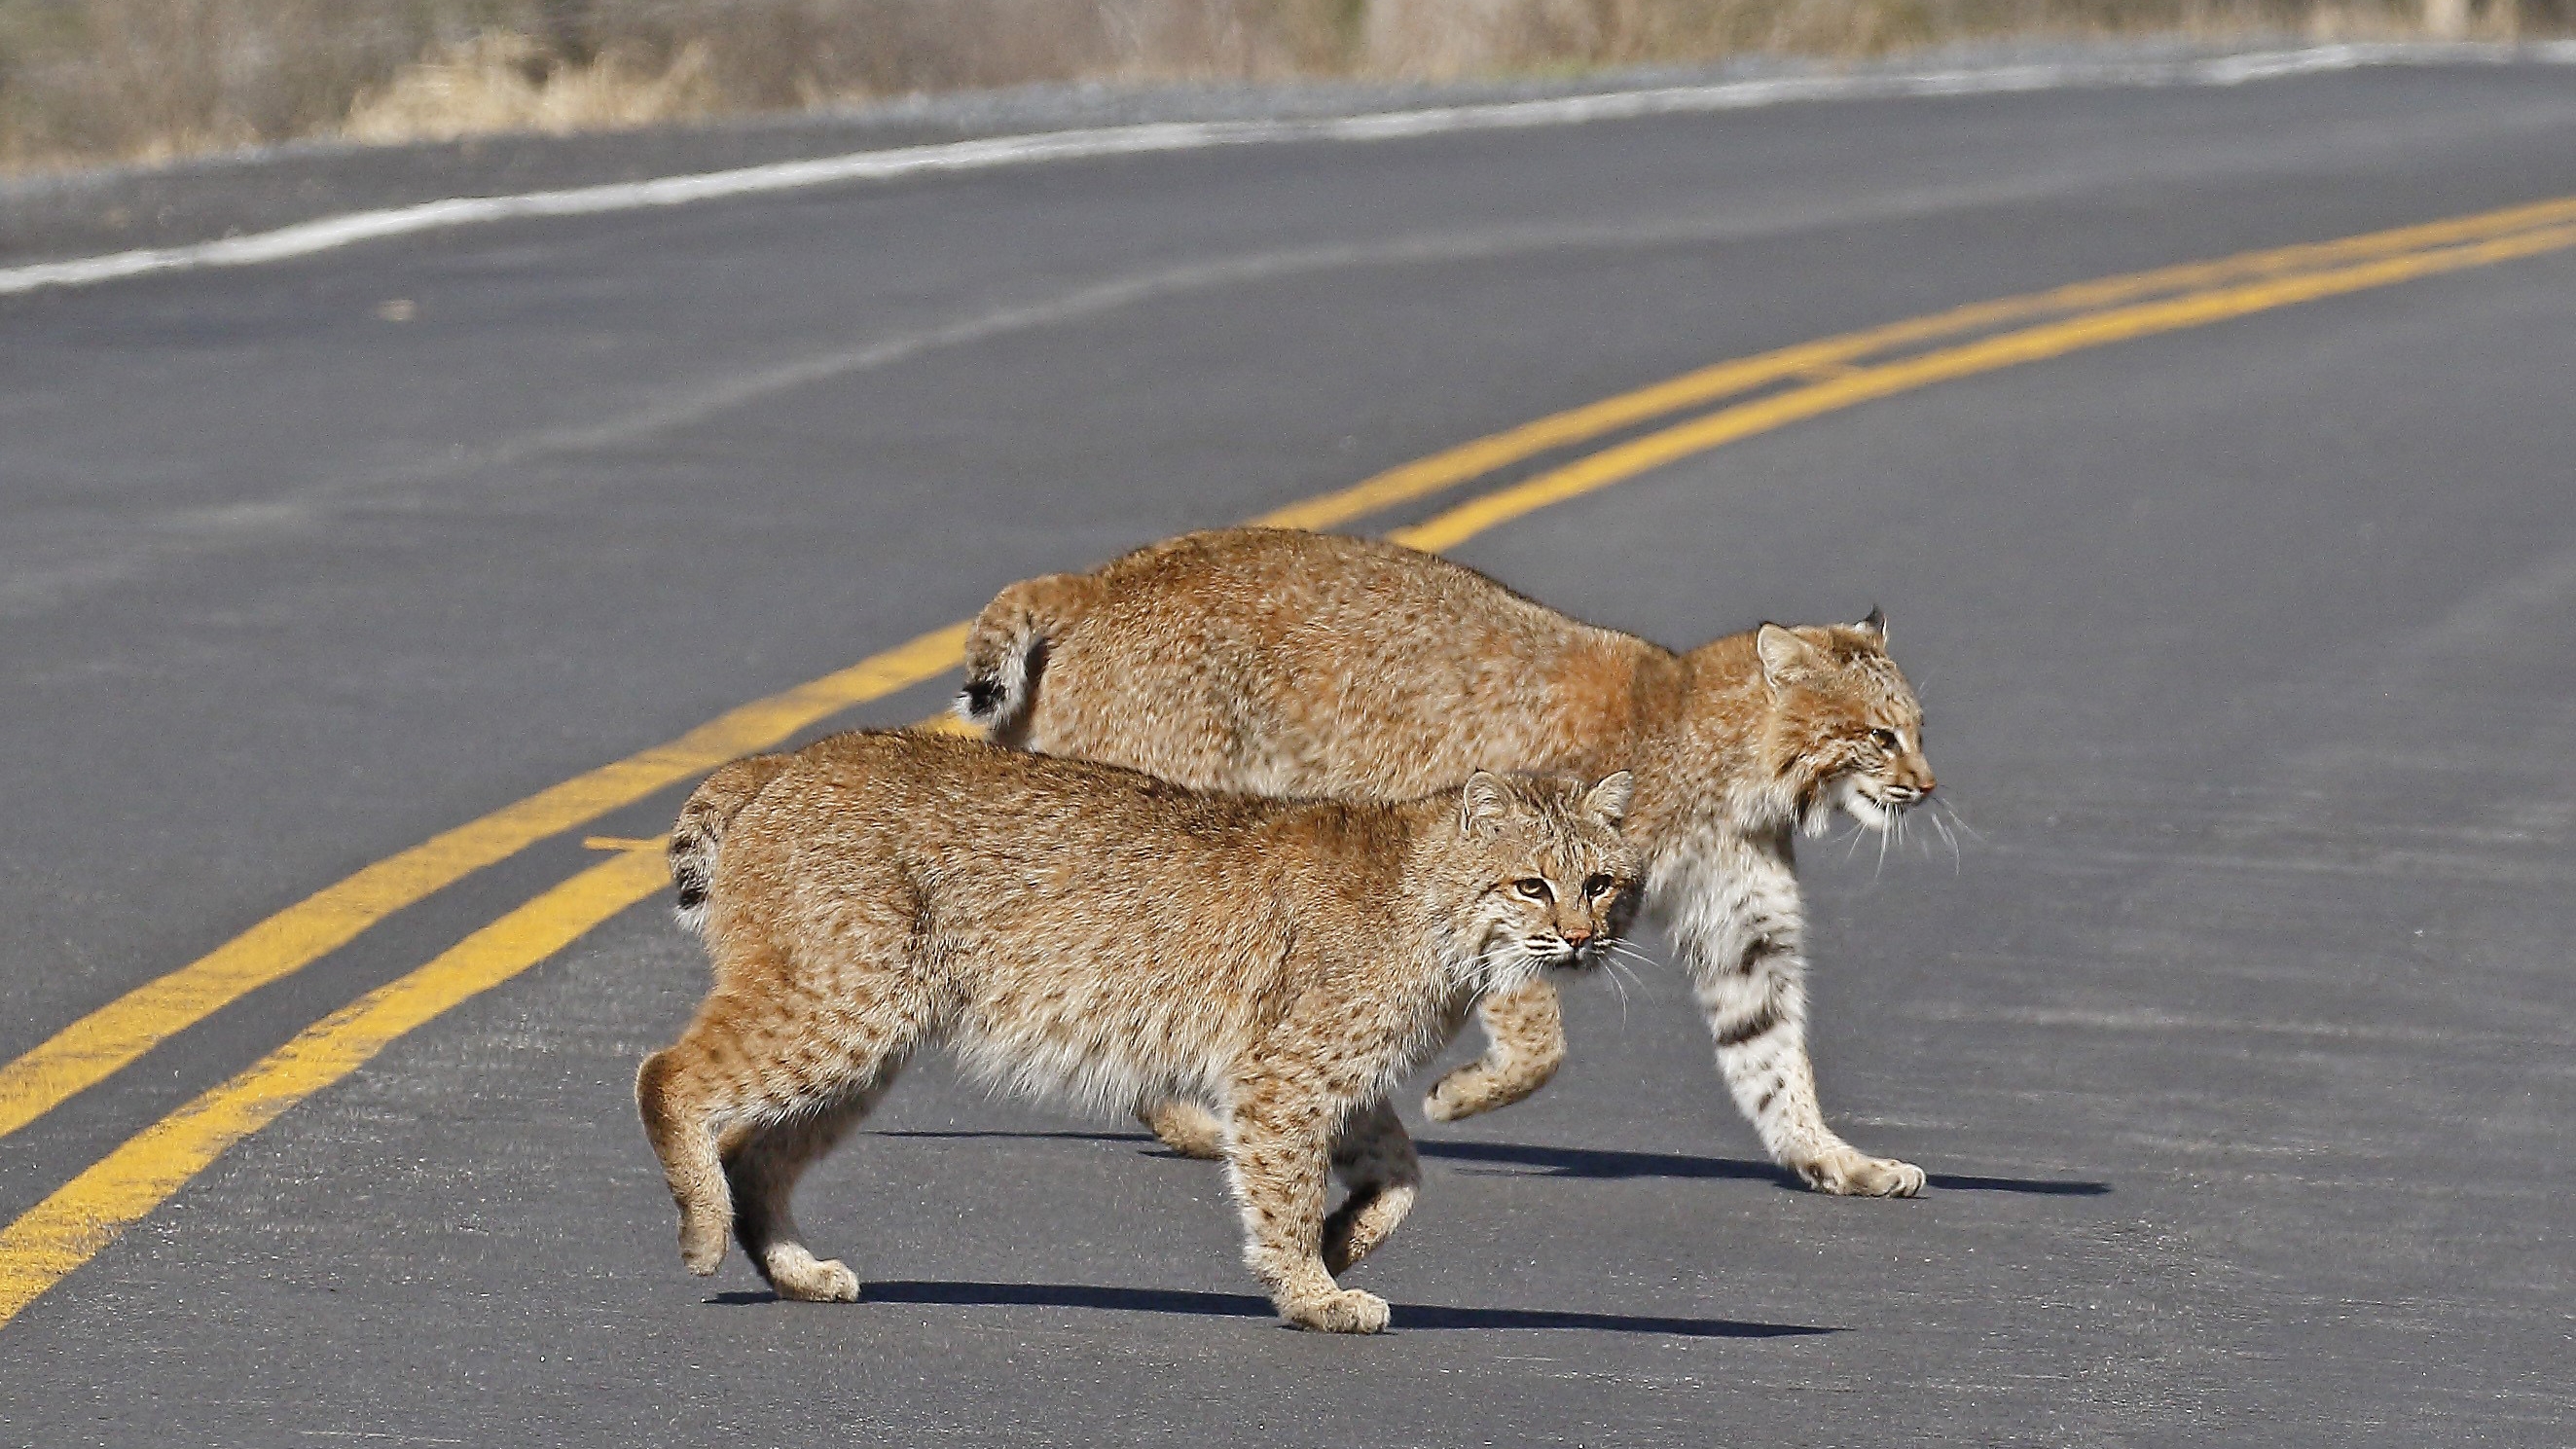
[(1851, 1174), (1446, 1101), (1348, 1311), (1475, 1088), (702, 1243), (1187, 1128)]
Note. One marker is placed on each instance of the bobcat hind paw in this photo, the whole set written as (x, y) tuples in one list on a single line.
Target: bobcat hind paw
[(806, 1279), (1348, 1311), (1186, 1128)]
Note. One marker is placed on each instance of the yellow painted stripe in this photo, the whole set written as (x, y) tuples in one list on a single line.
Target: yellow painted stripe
[(1425, 476), (87, 1213), (115, 1034), (105, 1040), (2011, 349)]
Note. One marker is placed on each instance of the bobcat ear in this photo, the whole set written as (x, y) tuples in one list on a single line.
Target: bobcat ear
[(1483, 803), (1876, 624), (1609, 799), (1785, 656)]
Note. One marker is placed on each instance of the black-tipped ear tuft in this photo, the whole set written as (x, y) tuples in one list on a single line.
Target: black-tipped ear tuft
[(1876, 623)]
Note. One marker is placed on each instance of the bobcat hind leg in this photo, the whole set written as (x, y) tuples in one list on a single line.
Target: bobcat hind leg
[(754, 1090), (762, 1170), (1375, 1159), (677, 1106)]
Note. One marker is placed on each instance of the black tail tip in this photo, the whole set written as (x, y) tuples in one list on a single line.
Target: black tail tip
[(691, 894), (983, 697)]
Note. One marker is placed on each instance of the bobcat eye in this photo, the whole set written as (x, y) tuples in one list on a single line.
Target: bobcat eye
[(1532, 887), (1888, 740), (1598, 885)]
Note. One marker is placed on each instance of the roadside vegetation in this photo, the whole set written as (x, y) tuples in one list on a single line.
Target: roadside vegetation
[(90, 81)]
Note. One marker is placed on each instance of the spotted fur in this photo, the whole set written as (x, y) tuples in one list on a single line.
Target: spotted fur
[(1097, 936), (1308, 664)]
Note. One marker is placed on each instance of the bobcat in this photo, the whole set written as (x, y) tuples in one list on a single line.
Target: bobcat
[(1087, 932), (1308, 664)]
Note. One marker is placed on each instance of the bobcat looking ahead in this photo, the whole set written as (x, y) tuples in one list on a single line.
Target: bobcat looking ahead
[(1086, 932), (1314, 665)]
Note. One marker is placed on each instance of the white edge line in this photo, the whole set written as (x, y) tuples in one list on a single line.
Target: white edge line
[(332, 232)]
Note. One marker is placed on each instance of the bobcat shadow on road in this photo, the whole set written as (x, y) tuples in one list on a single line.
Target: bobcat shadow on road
[(1600, 1164), (1141, 1139), (1407, 1316), (1604, 1164)]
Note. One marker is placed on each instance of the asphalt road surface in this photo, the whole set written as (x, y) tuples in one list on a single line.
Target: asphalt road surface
[(2240, 1041)]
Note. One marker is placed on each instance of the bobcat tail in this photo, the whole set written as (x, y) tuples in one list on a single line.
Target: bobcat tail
[(1007, 646), (711, 807)]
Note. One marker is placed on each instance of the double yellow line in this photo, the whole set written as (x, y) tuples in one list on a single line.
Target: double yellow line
[(1744, 397)]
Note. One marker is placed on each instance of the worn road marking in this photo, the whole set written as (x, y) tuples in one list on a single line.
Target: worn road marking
[(2010, 349), (1834, 355), (105, 1040), (87, 1213), (70, 1226)]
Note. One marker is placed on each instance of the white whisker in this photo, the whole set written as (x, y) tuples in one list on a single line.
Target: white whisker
[(1950, 806), (1637, 957), (1619, 976), (1943, 827)]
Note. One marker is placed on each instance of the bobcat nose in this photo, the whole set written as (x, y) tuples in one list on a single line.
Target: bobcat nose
[(1577, 939)]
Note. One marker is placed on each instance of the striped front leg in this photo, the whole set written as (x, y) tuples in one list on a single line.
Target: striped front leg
[(1736, 918)]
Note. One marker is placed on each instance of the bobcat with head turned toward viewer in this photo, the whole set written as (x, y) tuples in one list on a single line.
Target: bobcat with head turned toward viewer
[(1087, 932), (1316, 665)]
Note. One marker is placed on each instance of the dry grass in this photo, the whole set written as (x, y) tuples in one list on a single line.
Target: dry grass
[(503, 81), (1449, 39), (90, 80)]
